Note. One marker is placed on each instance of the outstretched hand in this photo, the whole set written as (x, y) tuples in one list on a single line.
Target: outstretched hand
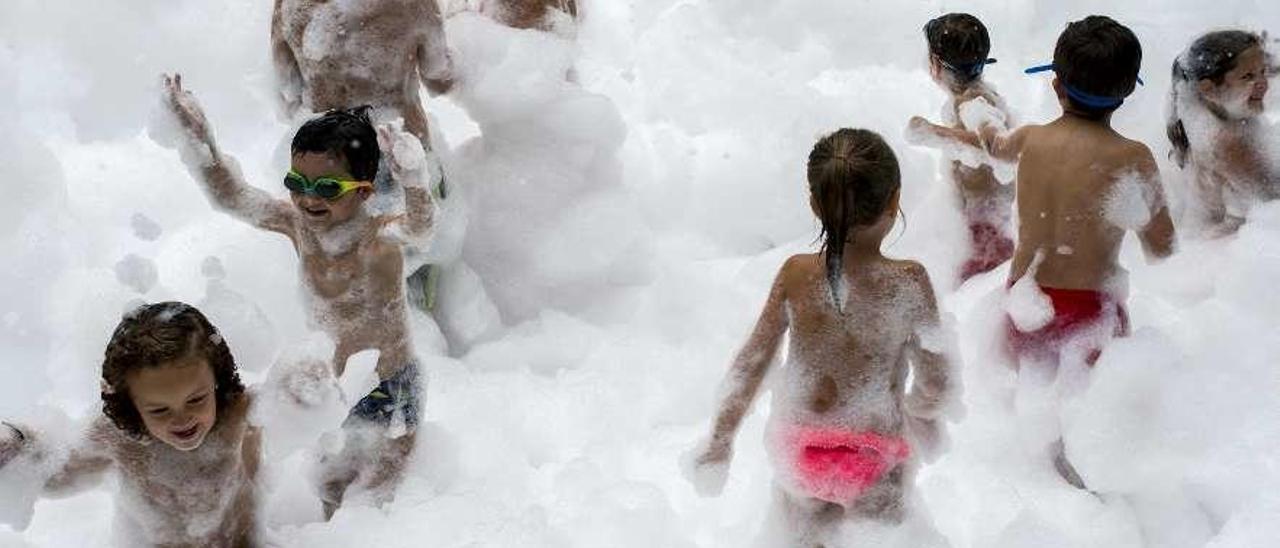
[(186, 109)]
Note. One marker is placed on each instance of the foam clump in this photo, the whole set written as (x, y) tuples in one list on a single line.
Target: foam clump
[(137, 273)]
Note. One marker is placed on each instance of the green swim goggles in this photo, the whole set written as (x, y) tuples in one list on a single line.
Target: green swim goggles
[(329, 188)]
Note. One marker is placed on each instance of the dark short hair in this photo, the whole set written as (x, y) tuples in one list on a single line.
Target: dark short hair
[(853, 175), (961, 42), (1098, 56), (155, 334), (345, 132)]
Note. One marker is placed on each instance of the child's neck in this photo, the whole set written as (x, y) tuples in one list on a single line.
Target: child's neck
[(1073, 115), (863, 247), (960, 91)]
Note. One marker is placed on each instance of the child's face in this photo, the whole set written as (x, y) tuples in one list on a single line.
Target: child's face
[(321, 212), (1243, 88), (176, 400)]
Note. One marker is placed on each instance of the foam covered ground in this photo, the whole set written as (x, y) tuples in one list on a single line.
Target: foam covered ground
[(627, 227)]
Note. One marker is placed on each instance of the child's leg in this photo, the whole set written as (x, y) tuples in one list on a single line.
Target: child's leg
[(799, 523)]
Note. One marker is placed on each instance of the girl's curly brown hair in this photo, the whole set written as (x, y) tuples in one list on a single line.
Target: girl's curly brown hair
[(155, 334)]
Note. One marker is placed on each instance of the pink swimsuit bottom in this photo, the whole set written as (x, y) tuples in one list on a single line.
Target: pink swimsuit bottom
[(838, 465)]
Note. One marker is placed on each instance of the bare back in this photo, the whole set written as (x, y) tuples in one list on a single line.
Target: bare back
[(1069, 173), (344, 53), (848, 368), (983, 198)]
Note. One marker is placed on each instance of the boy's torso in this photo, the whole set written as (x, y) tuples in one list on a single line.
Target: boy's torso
[(357, 292), (1067, 172)]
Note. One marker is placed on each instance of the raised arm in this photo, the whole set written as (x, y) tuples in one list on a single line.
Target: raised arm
[(218, 173), (287, 73), (411, 170), (435, 66), (748, 372)]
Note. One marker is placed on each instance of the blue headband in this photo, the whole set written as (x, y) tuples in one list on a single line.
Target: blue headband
[(1087, 99), (969, 69)]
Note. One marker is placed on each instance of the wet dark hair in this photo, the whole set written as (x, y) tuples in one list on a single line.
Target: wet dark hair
[(155, 334), (853, 175), (344, 132), (1210, 57), (961, 43), (1100, 57)]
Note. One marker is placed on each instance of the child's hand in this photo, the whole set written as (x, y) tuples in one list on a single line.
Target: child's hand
[(11, 441), (707, 468), (919, 130), (186, 109), (405, 157)]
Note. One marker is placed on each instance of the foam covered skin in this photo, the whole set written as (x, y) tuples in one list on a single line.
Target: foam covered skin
[(596, 390)]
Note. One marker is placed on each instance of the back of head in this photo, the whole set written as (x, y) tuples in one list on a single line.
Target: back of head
[(853, 177), (1210, 57), (960, 43), (1097, 58), (345, 132), (156, 334)]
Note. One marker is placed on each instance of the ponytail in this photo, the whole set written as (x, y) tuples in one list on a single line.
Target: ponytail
[(853, 175), (1175, 129)]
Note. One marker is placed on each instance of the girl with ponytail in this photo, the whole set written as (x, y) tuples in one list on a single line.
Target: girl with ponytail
[(845, 434), (1215, 99)]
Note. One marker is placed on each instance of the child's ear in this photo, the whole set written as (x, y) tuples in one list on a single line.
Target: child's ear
[(364, 193), (1057, 90)]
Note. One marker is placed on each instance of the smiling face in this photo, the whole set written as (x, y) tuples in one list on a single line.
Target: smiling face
[(176, 401), (317, 211), (1243, 88)]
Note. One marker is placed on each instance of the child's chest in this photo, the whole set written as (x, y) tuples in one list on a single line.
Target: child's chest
[(199, 486), (368, 268)]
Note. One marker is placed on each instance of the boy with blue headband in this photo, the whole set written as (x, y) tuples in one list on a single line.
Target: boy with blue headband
[(351, 261), (1080, 187), (958, 48)]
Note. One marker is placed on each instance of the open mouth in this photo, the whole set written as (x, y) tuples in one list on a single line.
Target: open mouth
[(315, 212), (188, 434)]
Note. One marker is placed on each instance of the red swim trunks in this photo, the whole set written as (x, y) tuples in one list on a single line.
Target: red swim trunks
[(989, 248), (1075, 311), (838, 465)]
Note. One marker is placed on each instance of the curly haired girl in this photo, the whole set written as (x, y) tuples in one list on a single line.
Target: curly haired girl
[(174, 428)]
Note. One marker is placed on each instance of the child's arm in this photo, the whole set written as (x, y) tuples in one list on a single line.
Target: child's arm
[(411, 170), (1158, 236), (288, 75), (219, 173), (435, 67), (748, 372), (934, 388), (83, 468)]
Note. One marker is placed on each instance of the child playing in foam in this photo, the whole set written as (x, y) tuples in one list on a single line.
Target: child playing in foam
[(173, 426), (1072, 175), (857, 320), (351, 262), (336, 55), (1216, 128), (958, 48)]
